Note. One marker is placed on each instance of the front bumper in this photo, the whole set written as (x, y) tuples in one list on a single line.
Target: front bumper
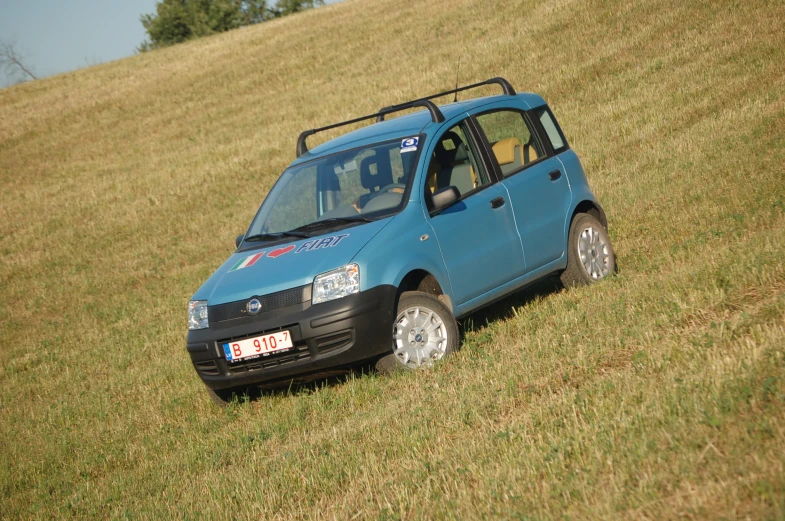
[(332, 335)]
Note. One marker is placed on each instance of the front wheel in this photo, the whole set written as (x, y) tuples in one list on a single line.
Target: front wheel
[(590, 256), (424, 332)]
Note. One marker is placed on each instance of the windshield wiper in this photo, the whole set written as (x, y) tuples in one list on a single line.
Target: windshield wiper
[(276, 235), (332, 220)]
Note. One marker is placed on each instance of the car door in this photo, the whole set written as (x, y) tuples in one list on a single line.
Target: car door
[(539, 190), (476, 234)]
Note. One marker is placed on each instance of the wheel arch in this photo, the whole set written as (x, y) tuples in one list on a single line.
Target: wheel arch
[(592, 208), (423, 281)]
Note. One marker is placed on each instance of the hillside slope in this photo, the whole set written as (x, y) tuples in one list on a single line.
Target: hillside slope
[(659, 393)]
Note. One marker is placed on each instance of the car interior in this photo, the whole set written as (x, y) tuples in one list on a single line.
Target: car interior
[(451, 165), (511, 155), (376, 176)]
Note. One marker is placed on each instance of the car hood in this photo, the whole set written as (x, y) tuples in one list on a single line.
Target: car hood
[(275, 268)]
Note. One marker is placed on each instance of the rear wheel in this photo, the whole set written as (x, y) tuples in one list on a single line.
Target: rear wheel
[(424, 332), (590, 256)]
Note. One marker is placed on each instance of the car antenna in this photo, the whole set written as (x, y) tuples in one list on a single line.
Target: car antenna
[(456, 80)]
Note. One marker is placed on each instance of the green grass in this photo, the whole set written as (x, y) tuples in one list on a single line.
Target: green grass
[(657, 394)]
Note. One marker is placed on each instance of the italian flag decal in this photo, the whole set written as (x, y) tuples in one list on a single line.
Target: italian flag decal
[(248, 261)]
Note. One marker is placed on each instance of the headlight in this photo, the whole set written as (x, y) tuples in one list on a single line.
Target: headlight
[(336, 284), (197, 314)]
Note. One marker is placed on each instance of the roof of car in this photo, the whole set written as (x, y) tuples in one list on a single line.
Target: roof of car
[(404, 126)]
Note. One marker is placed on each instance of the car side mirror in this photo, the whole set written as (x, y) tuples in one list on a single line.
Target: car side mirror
[(445, 197), (238, 240)]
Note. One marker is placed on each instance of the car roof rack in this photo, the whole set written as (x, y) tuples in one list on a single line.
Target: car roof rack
[(436, 114), (505, 85)]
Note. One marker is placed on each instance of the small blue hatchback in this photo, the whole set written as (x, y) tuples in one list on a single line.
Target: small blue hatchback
[(369, 246)]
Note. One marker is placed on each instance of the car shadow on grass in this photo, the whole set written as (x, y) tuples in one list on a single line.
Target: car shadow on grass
[(505, 309), (303, 385), (502, 310)]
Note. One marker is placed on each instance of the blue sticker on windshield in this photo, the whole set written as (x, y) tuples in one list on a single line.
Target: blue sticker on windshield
[(409, 144)]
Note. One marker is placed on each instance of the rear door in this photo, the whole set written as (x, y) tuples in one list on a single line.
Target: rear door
[(477, 234), (535, 178)]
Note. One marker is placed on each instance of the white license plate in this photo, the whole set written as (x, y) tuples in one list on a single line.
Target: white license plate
[(257, 346)]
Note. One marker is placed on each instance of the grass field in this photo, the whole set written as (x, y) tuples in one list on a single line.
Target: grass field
[(658, 394)]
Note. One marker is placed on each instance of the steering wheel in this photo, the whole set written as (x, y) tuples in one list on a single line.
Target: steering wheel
[(391, 187)]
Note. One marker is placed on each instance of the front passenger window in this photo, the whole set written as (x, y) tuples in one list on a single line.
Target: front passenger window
[(455, 163), (513, 143)]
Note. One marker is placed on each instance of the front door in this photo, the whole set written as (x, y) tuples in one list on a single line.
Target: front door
[(477, 235)]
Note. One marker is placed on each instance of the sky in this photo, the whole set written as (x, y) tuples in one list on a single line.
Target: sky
[(54, 36)]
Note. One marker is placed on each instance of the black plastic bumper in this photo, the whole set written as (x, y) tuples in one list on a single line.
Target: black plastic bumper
[(327, 336)]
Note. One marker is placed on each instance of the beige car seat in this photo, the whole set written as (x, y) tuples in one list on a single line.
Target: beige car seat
[(511, 155)]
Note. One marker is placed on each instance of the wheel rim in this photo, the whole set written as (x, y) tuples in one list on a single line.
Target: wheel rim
[(594, 253), (419, 337)]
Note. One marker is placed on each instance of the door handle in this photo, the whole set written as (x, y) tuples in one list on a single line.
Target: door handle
[(554, 175), (496, 203)]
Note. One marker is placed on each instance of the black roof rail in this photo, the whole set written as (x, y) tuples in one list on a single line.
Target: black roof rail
[(436, 114), (505, 85), (436, 117)]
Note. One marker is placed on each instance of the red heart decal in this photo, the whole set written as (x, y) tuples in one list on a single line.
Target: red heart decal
[(280, 251)]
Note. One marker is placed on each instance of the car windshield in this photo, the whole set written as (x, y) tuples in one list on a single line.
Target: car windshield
[(357, 185)]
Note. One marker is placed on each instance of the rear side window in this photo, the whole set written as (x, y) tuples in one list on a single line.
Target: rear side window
[(513, 143), (552, 130)]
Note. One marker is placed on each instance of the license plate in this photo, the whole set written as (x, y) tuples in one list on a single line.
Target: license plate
[(257, 346)]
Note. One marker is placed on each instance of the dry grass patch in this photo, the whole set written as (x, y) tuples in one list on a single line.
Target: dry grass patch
[(658, 394)]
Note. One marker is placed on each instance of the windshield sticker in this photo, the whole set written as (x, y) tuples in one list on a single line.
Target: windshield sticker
[(280, 251), (409, 144), (327, 242), (247, 261)]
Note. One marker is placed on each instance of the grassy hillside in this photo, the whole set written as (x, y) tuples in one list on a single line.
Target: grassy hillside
[(657, 394)]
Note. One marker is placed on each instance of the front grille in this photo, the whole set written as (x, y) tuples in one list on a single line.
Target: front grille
[(273, 301)]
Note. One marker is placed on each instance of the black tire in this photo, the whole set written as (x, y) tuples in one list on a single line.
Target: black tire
[(602, 260), (409, 300)]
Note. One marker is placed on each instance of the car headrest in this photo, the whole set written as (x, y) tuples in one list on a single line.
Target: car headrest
[(372, 180), (461, 153), (504, 150), (443, 155)]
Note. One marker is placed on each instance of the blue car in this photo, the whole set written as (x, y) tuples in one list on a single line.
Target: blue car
[(370, 246)]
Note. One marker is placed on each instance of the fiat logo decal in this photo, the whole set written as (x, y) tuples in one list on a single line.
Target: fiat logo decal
[(254, 306)]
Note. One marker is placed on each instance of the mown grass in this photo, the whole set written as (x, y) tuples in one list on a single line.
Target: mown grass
[(657, 394)]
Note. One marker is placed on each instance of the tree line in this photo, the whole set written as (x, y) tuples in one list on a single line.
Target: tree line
[(177, 21)]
